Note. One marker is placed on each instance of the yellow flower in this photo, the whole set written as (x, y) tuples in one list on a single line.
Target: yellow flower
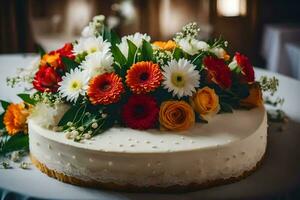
[(167, 46), (255, 97), (51, 60), (176, 116), (205, 102), (15, 118)]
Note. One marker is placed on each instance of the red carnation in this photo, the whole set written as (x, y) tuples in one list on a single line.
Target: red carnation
[(246, 67), (140, 112), (46, 79), (218, 71)]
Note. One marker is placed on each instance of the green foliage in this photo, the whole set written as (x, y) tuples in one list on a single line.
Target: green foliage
[(225, 108), (177, 54), (41, 51), (72, 115), (147, 51), (118, 56), (4, 104), (8, 143), (69, 63), (132, 53), (115, 39), (27, 99)]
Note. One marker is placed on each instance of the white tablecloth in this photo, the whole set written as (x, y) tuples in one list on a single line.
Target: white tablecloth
[(278, 176), (275, 37)]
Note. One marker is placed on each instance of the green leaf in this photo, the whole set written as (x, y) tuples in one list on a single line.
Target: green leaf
[(69, 63), (119, 57), (177, 54), (1, 121), (106, 34), (40, 50), (226, 108), (14, 143), (147, 51), (115, 39), (4, 104), (132, 51), (73, 114), (26, 98)]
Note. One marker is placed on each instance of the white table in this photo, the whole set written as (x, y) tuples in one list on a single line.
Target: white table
[(279, 174), (275, 37)]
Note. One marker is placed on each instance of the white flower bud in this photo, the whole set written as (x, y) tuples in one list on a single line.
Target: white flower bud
[(95, 125)]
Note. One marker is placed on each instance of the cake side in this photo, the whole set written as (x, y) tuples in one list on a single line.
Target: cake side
[(198, 166)]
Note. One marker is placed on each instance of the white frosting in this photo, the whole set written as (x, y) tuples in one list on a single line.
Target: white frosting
[(225, 147)]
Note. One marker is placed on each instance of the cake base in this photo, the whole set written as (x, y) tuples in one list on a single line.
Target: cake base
[(133, 188)]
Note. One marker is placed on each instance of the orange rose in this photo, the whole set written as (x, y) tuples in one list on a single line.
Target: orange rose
[(176, 115), (255, 97), (15, 118), (205, 102), (167, 46), (51, 60)]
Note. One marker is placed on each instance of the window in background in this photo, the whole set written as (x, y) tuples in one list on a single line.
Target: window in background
[(232, 8)]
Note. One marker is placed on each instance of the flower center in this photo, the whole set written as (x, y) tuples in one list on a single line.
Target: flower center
[(105, 86), (178, 80), (75, 85), (144, 76), (139, 111)]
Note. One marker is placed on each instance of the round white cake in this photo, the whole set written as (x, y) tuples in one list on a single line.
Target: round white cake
[(226, 149)]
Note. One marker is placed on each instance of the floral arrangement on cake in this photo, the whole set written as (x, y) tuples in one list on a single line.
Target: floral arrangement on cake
[(101, 81)]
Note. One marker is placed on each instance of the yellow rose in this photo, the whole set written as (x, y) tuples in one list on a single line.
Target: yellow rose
[(255, 97), (167, 46), (205, 102), (176, 116), (51, 60)]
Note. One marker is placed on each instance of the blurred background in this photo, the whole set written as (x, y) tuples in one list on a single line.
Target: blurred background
[(268, 31)]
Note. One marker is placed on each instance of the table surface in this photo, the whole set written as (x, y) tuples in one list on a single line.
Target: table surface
[(278, 175)]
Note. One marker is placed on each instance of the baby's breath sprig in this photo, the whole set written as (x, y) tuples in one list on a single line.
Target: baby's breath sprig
[(190, 30), (162, 57), (269, 84), (22, 77), (47, 98)]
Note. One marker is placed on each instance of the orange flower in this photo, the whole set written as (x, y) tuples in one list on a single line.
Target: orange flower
[(176, 116), (52, 60), (105, 89), (15, 118), (166, 46), (205, 102), (143, 77), (255, 97)]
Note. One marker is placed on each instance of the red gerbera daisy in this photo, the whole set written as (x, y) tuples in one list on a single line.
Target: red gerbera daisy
[(218, 71), (246, 67), (143, 77), (140, 112), (105, 89)]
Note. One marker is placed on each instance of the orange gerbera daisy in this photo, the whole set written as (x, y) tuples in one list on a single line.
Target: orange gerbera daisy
[(143, 77), (15, 118), (105, 89), (167, 46)]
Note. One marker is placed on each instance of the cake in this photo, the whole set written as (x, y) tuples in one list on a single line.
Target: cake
[(132, 160), (134, 115)]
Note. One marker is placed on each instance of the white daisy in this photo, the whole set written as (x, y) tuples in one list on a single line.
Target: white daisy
[(73, 84), (98, 63), (136, 39), (192, 46), (181, 78), (90, 45)]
